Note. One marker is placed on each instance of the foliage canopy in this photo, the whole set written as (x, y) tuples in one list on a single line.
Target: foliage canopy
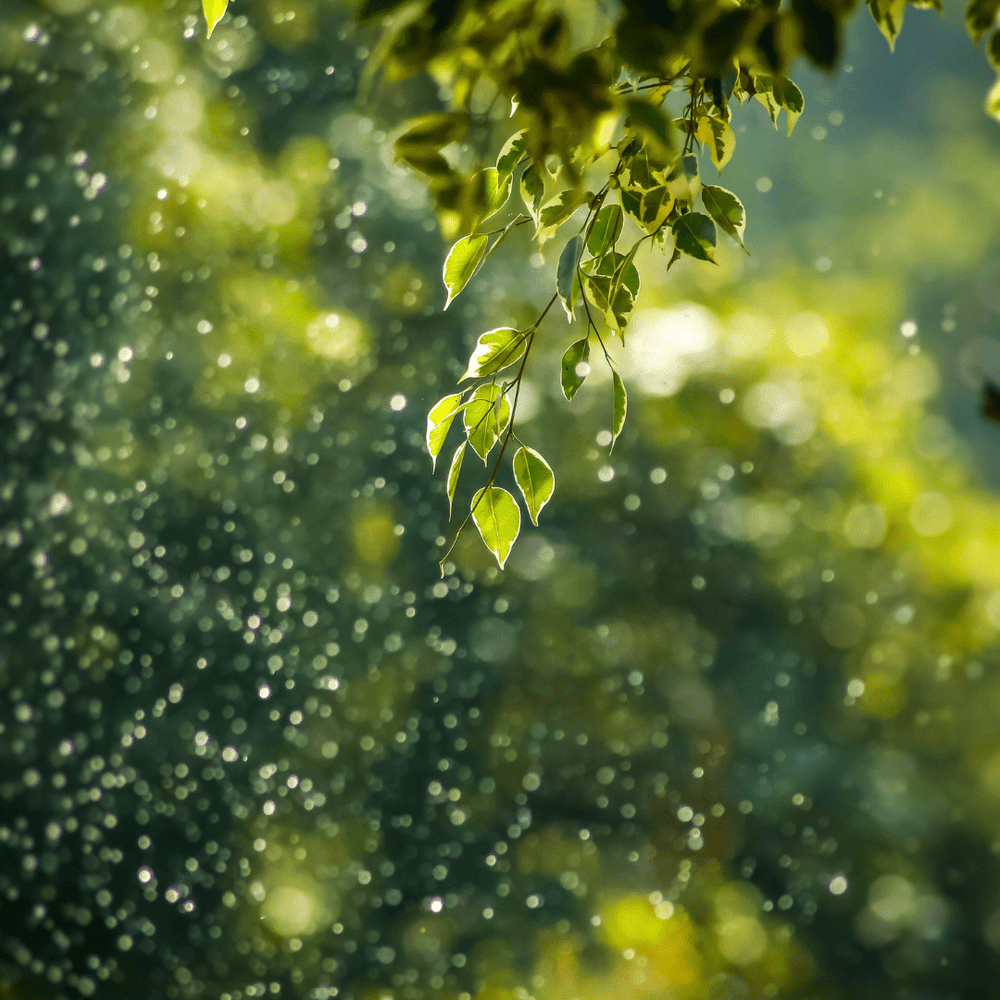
[(601, 114)]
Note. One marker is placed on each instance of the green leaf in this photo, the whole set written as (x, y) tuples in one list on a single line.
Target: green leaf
[(575, 367), (726, 209), (779, 92), (719, 137), (605, 231), (993, 101), (495, 190), (626, 274), (888, 15), (434, 131), (532, 189), (495, 350), (214, 9), (498, 519), (694, 234), (980, 16), (560, 208), (654, 125), (439, 419), (510, 155), (535, 479), (684, 182), (620, 408), (456, 468), (569, 261), (655, 206), (461, 263), (485, 417)]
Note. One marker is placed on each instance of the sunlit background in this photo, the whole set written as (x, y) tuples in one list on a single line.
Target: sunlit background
[(726, 725)]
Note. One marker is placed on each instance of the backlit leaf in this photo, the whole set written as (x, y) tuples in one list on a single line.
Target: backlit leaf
[(726, 209), (495, 189), (439, 419), (535, 479), (495, 350), (719, 137), (575, 367), (532, 189), (453, 471), (605, 231), (888, 15), (620, 407), (214, 9), (485, 418), (694, 234), (510, 155), (498, 519), (461, 263), (569, 261), (560, 208)]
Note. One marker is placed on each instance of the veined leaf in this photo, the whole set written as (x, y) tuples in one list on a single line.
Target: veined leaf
[(214, 9), (779, 92), (626, 270), (684, 183), (461, 263), (498, 519), (453, 471), (575, 367), (510, 155), (569, 261), (496, 191), (560, 208), (485, 417), (719, 137), (655, 206), (694, 234), (495, 350), (888, 15), (726, 209), (620, 407), (605, 231), (535, 479), (532, 189), (439, 419)]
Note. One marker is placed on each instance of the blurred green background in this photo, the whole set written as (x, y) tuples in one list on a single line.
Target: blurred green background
[(725, 727)]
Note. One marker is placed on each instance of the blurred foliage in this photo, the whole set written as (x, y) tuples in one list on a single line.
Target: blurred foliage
[(724, 727)]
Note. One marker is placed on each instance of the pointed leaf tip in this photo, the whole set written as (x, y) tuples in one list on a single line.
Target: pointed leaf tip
[(498, 519), (535, 479), (214, 9), (461, 264)]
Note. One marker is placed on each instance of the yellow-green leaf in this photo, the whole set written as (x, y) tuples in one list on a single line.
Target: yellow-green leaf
[(726, 209), (532, 189), (461, 263), (719, 137), (510, 155), (498, 519), (214, 9), (495, 350), (694, 234), (652, 123), (535, 479), (575, 367), (620, 407), (439, 419), (566, 285), (605, 231), (486, 415), (456, 468)]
